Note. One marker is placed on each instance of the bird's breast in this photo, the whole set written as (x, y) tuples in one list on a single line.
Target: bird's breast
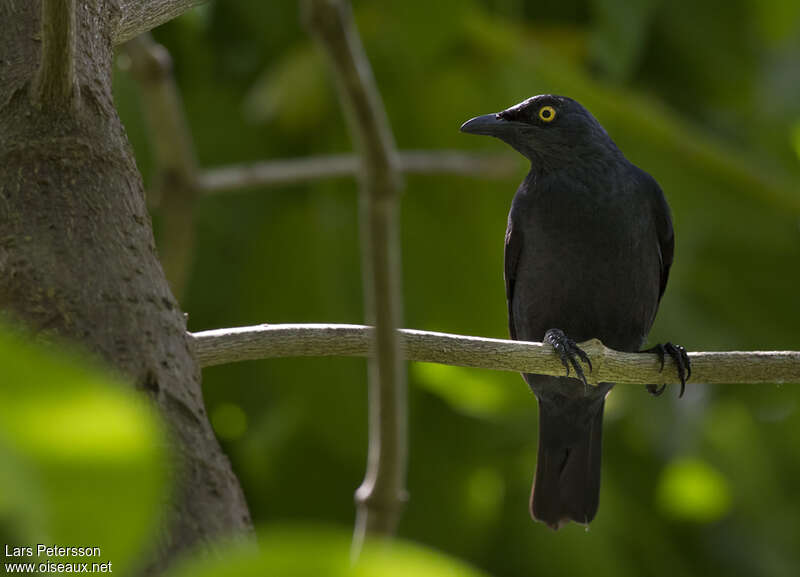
[(588, 266)]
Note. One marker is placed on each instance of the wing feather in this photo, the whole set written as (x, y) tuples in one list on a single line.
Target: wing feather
[(513, 245)]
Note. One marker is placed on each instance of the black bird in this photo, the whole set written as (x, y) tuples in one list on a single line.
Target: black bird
[(588, 250)]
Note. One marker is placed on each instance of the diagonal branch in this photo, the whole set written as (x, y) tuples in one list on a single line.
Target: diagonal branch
[(139, 16), (309, 169), (381, 496), (222, 346)]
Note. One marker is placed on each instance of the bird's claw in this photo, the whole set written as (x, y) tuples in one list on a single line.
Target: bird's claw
[(568, 351), (682, 361)]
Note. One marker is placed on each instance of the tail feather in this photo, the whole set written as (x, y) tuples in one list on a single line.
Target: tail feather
[(567, 483)]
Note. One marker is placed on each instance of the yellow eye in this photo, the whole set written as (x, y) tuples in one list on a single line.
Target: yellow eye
[(547, 113)]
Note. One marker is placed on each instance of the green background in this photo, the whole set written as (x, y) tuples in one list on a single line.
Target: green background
[(703, 94)]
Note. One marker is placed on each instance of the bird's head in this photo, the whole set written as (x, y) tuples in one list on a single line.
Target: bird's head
[(547, 129)]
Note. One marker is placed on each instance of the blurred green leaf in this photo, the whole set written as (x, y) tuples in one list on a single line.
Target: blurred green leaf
[(485, 491), (295, 92), (777, 19), (316, 551), (692, 490), (620, 32), (795, 137), (472, 391), (81, 455), (229, 421)]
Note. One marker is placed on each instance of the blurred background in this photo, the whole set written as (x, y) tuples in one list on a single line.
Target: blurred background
[(703, 94)]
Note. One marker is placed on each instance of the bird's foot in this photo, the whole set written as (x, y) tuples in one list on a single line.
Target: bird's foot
[(678, 354), (569, 352)]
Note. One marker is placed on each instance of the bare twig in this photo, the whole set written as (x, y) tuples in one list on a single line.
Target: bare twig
[(317, 340), (277, 172), (381, 496), (455, 162), (139, 16), (175, 187), (55, 85), (309, 169)]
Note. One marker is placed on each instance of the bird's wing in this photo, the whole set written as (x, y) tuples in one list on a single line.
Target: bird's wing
[(664, 231), (512, 250), (666, 248)]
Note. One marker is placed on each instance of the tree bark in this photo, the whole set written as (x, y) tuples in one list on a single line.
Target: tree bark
[(78, 260), (139, 16)]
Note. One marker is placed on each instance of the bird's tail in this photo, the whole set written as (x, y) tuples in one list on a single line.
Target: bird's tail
[(567, 483)]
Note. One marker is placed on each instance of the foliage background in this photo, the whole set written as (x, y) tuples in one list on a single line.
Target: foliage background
[(703, 94)]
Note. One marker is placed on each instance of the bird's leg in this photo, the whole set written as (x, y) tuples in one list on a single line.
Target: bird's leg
[(678, 354), (568, 351)]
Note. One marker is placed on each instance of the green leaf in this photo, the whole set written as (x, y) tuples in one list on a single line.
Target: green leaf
[(474, 392), (313, 551), (229, 421), (795, 137), (80, 456), (295, 92), (620, 34), (692, 490)]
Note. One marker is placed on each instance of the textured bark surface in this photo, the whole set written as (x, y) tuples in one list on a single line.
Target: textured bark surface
[(142, 15), (78, 260)]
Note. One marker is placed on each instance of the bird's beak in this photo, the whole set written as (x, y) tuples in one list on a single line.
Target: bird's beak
[(489, 124)]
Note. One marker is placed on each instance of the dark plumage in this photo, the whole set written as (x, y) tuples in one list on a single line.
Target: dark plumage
[(588, 250)]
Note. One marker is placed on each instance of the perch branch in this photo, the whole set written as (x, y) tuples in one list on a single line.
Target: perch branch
[(381, 497), (55, 85), (175, 188), (139, 16), (317, 340), (302, 170)]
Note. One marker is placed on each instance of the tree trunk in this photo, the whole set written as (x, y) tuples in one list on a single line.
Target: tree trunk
[(77, 256)]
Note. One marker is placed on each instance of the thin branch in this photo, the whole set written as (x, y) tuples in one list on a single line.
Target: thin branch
[(309, 169), (455, 162), (175, 188), (139, 16), (323, 340), (55, 85), (382, 495), (277, 173)]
